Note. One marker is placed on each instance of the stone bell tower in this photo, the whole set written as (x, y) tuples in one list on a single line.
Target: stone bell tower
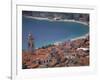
[(31, 47)]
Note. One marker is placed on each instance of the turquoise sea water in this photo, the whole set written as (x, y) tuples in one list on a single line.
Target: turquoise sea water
[(47, 32)]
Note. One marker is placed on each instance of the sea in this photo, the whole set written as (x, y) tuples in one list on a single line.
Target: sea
[(47, 32)]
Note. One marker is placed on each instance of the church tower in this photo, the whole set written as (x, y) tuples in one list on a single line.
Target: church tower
[(31, 47)]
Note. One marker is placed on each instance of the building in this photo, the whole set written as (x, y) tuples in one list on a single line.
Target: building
[(31, 46)]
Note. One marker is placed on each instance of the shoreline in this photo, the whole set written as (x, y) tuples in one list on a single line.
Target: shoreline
[(60, 20), (81, 37), (73, 39)]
